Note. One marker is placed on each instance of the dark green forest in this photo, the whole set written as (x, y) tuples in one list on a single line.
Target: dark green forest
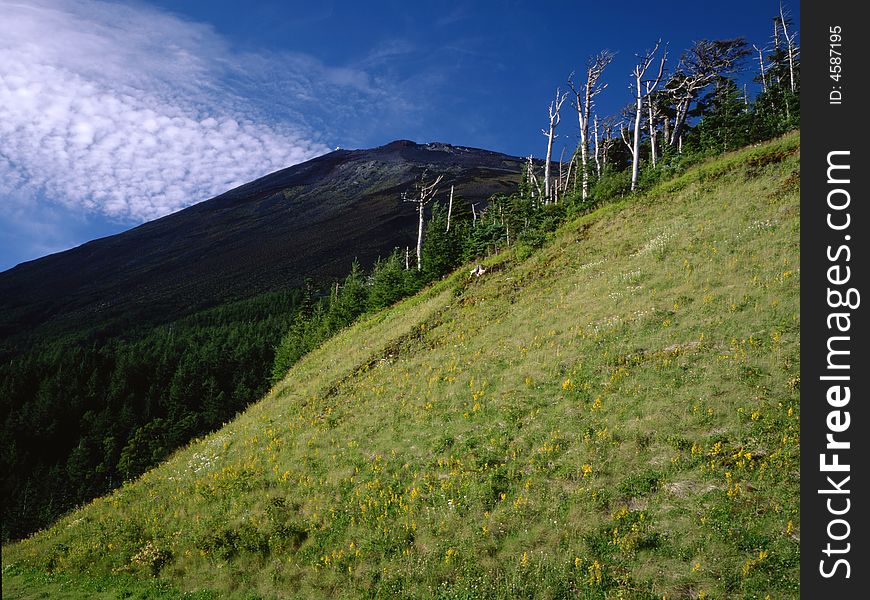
[(81, 416)]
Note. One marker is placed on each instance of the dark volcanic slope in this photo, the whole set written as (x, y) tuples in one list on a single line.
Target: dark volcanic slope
[(311, 219)]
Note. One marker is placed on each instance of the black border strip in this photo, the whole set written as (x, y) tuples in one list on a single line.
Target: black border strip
[(830, 126)]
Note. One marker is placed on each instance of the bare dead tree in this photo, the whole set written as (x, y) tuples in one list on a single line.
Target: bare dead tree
[(449, 210), (562, 186), (533, 179), (776, 67), (654, 112), (643, 88), (626, 136), (624, 126), (607, 140), (597, 149), (666, 127), (700, 66), (583, 102), (775, 72), (568, 174), (791, 46), (761, 66), (426, 192), (555, 107)]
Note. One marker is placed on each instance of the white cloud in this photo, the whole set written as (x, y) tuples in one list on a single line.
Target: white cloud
[(134, 113)]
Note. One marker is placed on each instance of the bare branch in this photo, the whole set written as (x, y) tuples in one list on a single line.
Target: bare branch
[(449, 210), (785, 18), (761, 66), (555, 107), (584, 102), (427, 192), (624, 134), (643, 88), (699, 66)]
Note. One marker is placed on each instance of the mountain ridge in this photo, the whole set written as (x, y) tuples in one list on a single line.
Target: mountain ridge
[(307, 220)]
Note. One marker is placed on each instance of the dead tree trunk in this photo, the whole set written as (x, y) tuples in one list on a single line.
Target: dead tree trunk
[(640, 84), (597, 152), (555, 107), (626, 139), (635, 144), (761, 66), (666, 129), (533, 181), (607, 140), (776, 71), (652, 117), (568, 174), (776, 47), (790, 47), (559, 184), (420, 207), (652, 132), (426, 194), (449, 210), (584, 100)]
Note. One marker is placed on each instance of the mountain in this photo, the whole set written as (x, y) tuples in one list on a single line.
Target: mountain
[(118, 352), (309, 220), (614, 415)]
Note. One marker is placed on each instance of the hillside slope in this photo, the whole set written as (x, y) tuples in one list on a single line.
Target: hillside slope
[(615, 416), (116, 353), (311, 219)]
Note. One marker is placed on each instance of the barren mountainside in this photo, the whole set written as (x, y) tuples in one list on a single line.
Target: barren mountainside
[(309, 220)]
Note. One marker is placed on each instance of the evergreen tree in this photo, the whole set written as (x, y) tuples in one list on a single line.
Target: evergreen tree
[(352, 296), (725, 125), (387, 283), (441, 248)]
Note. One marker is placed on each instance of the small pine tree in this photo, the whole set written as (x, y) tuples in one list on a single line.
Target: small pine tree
[(347, 300), (353, 295), (441, 248), (725, 125), (387, 283)]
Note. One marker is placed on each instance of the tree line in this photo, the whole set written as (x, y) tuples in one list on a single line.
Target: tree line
[(676, 111), (675, 119)]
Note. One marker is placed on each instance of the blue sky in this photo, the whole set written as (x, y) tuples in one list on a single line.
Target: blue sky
[(116, 113)]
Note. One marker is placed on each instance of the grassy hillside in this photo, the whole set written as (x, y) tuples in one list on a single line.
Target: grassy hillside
[(616, 416)]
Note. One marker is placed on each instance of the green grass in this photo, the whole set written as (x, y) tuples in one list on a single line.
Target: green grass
[(616, 416), (30, 584)]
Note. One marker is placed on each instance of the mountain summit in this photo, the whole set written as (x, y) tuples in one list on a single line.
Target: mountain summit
[(309, 220)]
